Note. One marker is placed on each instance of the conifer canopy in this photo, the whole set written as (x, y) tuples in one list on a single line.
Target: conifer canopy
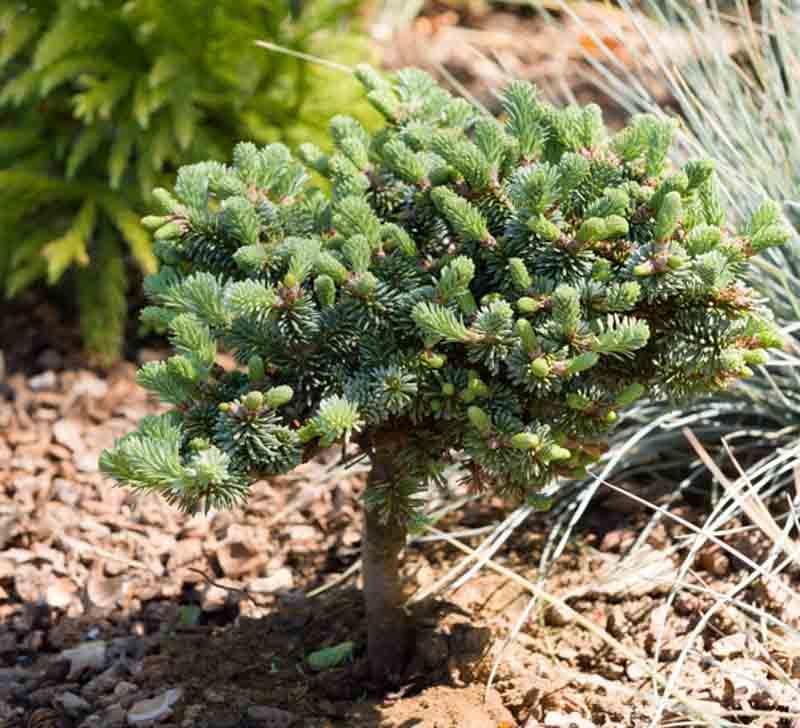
[(469, 291)]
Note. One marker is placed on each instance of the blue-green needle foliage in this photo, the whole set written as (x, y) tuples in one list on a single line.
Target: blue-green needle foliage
[(474, 292)]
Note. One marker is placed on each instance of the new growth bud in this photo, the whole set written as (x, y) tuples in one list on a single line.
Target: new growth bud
[(479, 419), (253, 400), (525, 441)]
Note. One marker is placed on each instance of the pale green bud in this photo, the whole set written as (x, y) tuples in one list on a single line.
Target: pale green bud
[(525, 441), (668, 216), (616, 227), (539, 368), (591, 230), (153, 222), (756, 357), (279, 396), (253, 400), (526, 333), (255, 366), (479, 419), (519, 273), (170, 230), (528, 305), (543, 228), (325, 289), (675, 262)]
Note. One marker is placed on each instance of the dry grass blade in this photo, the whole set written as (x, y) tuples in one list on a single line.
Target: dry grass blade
[(303, 56), (757, 568), (694, 707), (751, 504)]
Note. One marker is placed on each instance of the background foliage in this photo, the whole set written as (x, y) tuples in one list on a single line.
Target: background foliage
[(102, 100)]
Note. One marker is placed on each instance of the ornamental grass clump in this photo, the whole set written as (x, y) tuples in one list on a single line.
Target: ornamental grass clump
[(474, 293)]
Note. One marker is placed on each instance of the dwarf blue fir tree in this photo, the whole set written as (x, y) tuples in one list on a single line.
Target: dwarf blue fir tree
[(471, 292)]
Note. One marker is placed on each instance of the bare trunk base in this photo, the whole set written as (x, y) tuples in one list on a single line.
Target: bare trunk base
[(388, 625)]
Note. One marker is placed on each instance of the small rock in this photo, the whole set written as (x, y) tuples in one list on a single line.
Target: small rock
[(73, 705), (133, 647), (86, 656), (280, 580), (86, 462), (612, 541), (567, 720), (49, 359), (8, 643), (34, 641), (44, 381), (185, 552), (715, 562), (215, 598), (89, 385), (68, 433), (556, 616), (191, 716), (734, 644), (9, 689), (114, 716), (267, 717), (302, 532), (616, 622), (565, 652), (103, 683), (123, 688), (66, 491), (103, 591), (213, 696), (229, 720), (154, 710), (635, 671), (686, 604), (96, 720), (425, 575), (48, 717), (61, 592), (43, 697)]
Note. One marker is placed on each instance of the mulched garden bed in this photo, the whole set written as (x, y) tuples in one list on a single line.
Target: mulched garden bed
[(120, 610)]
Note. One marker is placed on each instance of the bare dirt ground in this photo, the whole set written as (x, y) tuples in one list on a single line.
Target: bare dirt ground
[(118, 610), (477, 47)]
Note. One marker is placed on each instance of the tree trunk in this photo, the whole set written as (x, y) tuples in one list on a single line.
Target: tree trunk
[(388, 626)]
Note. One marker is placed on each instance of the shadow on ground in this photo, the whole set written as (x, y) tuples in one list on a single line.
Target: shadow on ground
[(250, 672)]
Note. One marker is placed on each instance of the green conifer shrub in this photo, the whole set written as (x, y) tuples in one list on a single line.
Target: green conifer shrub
[(101, 101), (471, 293)]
